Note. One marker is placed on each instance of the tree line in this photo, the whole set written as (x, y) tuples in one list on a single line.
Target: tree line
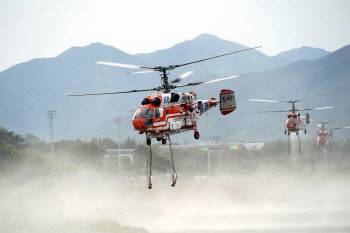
[(18, 151)]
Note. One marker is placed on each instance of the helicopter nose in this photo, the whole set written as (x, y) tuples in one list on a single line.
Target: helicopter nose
[(139, 124)]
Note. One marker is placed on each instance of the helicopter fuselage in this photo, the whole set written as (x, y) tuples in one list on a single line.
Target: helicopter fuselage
[(172, 113), (322, 138), (294, 123)]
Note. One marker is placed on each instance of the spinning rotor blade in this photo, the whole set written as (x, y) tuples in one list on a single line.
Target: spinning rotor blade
[(282, 101), (185, 64), (325, 122), (123, 65), (273, 111), (298, 101), (210, 81), (182, 76), (272, 101), (112, 93), (346, 127), (308, 109), (142, 72), (170, 67)]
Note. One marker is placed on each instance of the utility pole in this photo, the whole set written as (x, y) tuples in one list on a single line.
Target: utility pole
[(208, 151), (98, 137), (118, 120), (51, 114)]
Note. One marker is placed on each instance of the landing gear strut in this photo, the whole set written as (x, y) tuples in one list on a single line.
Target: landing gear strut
[(163, 141)]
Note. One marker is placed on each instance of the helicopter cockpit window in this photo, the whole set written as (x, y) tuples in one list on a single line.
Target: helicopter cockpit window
[(137, 113), (147, 113), (158, 112), (174, 97), (292, 120)]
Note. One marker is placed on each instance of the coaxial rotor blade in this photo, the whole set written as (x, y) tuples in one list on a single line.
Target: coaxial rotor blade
[(185, 64), (274, 111), (142, 72), (182, 76), (299, 101), (124, 65), (272, 101), (282, 101), (325, 122), (210, 81), (112, 93), (309, 109), (346, 127)]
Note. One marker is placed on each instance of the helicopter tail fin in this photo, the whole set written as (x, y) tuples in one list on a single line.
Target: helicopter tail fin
[(227, 101)]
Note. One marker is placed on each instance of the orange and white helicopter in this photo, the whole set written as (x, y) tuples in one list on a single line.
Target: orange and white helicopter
[(324, 135), (167, 113), (294, 122)]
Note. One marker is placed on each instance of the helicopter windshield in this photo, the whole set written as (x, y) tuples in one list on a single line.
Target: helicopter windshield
[(147, 113), (137, 113), (292, 120)]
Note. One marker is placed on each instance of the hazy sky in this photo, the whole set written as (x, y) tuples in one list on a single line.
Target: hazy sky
[(45, 28)]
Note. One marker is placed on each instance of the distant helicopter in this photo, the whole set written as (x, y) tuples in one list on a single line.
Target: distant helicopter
[(167, 113), (294, 122), (324, 135)]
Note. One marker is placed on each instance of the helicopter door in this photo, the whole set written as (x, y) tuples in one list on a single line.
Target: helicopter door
[(158, 114)]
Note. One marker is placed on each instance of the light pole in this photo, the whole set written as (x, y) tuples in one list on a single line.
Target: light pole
[(98, 137), (118, 120), (208, 151), (51, 114)]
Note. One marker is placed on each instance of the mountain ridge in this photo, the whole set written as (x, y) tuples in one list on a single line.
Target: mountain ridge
[(29, 89), (303, 53)]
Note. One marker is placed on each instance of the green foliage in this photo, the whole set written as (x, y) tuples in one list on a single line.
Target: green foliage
[(12, 139), (129, 143), (18, 152), (159, 162), (80, 152), (31, 139), (107, 143)]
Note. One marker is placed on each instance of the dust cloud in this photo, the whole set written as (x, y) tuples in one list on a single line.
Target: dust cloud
[(267, 200)]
